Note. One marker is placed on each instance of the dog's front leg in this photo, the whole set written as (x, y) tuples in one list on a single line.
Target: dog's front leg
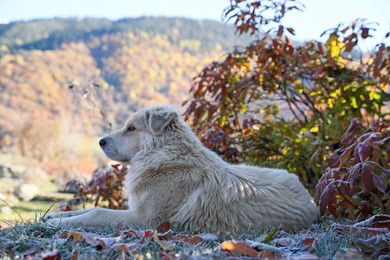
[(66, 214), (98, 217)]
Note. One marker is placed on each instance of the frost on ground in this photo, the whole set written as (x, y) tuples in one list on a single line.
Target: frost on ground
[(328, 239)]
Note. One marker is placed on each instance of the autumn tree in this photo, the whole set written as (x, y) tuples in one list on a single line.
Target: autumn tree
[(280, 104)]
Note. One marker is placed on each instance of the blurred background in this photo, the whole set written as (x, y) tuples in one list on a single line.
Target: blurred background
[(73, 70)]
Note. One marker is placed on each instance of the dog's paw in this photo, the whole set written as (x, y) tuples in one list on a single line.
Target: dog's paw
[(55, 222)]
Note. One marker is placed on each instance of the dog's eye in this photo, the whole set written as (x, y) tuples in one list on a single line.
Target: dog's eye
[(130, 129)]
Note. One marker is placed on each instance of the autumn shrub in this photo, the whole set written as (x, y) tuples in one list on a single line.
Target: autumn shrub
[(357, 183), (281, 104), (104, 189)]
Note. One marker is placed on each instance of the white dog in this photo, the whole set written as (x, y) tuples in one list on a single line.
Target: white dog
[(174, 178)]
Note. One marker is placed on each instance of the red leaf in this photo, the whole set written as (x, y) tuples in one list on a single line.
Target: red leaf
[(239, 247), (147, 236), (360, 231), (346, 154), (367, 178), (378, 221), (379, 184), (54, 255), (320, 49), (164, 227), (363, 151)]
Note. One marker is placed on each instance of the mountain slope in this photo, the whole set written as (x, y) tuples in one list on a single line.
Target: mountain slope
[(73, 73)]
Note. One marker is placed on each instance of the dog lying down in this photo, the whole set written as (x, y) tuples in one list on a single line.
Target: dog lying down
[(174, 178)]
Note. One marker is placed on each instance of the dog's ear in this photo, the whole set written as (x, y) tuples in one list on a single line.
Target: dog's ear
[(158, 120)]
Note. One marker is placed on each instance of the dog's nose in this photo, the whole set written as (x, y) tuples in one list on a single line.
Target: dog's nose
[(102, 142)]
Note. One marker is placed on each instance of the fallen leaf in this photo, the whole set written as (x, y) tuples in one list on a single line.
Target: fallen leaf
[(75, 256), (165, 245), (373, 244), (54, 255), (129, 248), (267, 255), (92, 239), (172, 256), (164, 227), (362, 231), (309, 243), (187, 239), (127, 233), (377, 221), (347, 253), (147, 236), (166, 235), (105, 242), (64, 234), (239, 247)]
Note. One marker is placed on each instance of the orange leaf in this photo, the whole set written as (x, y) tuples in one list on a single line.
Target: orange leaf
[(239, 247)]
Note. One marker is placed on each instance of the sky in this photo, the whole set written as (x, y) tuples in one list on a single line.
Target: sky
[(318, 16)]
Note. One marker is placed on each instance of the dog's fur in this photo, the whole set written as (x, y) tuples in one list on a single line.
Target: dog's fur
[(174, 178)]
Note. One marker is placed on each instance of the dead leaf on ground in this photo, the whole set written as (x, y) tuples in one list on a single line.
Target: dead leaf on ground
[(377, 243), (309, 243), (239, 247), (92, 239), (129, 248), (127, 233), (347, 253), (165, 245), (187, 239), (147, 236), (377, 221), (54, 255), (361, 231), (164, 227)]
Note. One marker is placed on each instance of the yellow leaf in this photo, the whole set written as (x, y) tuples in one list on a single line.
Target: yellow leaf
[(314, 129)]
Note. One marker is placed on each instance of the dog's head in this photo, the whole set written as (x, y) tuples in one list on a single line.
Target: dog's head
[(123, 144)]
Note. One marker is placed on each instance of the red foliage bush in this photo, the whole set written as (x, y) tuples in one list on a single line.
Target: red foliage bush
[(357, 182), (104, 189)]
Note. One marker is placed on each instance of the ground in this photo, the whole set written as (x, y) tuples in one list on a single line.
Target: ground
[(325, 240)]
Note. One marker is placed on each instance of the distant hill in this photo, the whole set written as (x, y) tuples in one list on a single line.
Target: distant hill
[(60, 72), (145, 59)]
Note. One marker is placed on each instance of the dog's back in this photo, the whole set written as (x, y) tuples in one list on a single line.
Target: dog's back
[(244, 198)]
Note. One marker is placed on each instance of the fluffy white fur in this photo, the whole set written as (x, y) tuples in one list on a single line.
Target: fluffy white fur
[(174, 178)]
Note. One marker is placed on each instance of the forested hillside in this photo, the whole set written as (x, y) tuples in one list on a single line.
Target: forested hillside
[(60, 78)]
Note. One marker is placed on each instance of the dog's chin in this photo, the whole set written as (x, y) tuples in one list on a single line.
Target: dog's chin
[(119, 159)]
